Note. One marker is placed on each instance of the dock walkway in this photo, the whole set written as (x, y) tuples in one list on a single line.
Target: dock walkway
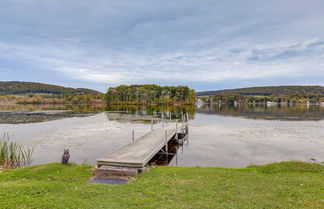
[(141, 151)]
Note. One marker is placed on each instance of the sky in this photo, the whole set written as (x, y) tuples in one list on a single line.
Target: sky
[(205, 44)]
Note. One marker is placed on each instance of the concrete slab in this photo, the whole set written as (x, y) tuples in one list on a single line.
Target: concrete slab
[(109, 181)]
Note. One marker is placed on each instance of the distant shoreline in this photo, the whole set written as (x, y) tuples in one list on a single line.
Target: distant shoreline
[(263, 103), (51, 99)]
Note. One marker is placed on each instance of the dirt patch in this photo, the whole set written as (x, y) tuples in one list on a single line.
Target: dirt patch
[(183, 181)]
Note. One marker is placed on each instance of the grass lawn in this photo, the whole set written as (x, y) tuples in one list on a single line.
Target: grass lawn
[(280, 185)]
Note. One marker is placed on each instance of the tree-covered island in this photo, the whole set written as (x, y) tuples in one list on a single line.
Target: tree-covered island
[(150, 94)]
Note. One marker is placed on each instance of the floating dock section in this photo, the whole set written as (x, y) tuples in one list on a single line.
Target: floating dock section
[(141, 151), (133, 157)]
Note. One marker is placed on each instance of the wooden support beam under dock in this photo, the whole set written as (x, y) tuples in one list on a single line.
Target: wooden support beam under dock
[(141, 151)]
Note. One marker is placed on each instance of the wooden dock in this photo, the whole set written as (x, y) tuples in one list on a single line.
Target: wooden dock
[(141, 151)]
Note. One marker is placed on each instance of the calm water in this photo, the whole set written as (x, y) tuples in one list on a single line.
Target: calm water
[(223, 136)]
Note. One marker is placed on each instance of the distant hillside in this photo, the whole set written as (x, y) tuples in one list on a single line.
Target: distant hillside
[(15, 87), (268, 90)]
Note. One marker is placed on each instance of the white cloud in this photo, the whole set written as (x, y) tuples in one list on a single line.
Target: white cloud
[(210, 65), (114, 42)]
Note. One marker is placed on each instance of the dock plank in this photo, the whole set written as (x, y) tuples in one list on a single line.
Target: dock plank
[(140, 152)]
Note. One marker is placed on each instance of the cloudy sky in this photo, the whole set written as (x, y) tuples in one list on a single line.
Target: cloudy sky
[(206, 44)]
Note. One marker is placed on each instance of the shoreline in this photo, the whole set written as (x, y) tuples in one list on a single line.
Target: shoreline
[(263, 103)]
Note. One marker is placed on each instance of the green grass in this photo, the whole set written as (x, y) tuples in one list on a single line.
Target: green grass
[(280, 185)]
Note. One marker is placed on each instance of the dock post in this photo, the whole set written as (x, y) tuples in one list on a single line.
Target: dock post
[(166, 142), (182, 120), (187, 138), (162, 120), (187, 125), (182, 149), (151, 124), (176, 129), (133, 135)]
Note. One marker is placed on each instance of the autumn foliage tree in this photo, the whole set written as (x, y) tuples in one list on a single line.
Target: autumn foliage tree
[(150, 94)]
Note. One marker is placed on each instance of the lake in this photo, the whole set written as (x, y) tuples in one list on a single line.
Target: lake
[(221, 136)]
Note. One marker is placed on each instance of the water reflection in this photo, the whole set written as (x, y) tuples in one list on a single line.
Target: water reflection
[(268, 112), (167, 112), (170, 156), (215, 138), (16, 114)]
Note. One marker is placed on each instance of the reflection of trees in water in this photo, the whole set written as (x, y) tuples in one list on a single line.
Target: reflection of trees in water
[(175, 112), (15, 114), (273, 112), (36, 117)]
